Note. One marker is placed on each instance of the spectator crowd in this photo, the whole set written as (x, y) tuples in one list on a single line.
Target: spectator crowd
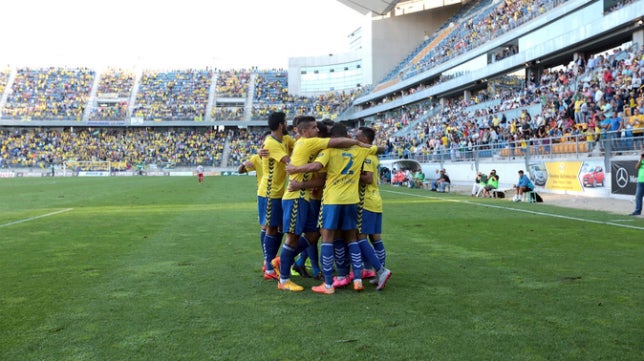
[(596, 100), (40, 147)]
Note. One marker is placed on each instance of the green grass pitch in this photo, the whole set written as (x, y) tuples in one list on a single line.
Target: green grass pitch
[(163, 268)]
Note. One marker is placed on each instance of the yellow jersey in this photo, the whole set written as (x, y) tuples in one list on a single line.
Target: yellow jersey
[(273, 180), (256, 166), (304, 152), (369, 193), (343, 168), (290, 143)]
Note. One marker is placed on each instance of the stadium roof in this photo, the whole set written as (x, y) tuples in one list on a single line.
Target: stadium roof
[(379, 7)]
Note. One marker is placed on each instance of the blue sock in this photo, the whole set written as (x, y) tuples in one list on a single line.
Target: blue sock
[(365, 263), (312, 252), (262, 234), (379, 247), (302, 245), (280, 237), (286, 261), (356, 260), (301, 260), (341, 256), (264, 249), (369, 253), (271, 245), (326, 252)]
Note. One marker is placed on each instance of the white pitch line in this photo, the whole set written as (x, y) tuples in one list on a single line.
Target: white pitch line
[(34, 218), (521, 210)]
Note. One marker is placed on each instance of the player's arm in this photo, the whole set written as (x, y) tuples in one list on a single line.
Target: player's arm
[(366, 177), (343, 143), (294, 185), (245, 167), (306, 168), (241, 169), (368, 169), (381, 150)]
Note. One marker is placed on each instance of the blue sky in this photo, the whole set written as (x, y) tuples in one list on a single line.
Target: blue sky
[(171, 33)]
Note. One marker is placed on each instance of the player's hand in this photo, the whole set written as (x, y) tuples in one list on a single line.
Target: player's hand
[(290, 168), (264, 153), (364, 145), (294, 185)]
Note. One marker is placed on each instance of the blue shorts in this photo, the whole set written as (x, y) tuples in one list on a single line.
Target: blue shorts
[(270, 211), (369, 222), (296, 212), (339, 216), (314, 213), (314, 207)]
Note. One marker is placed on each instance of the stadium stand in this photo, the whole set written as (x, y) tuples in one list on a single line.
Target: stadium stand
[(271, 86), (233, 83), (412, 63), (243, 144), (112, 99), (164, 147), (173, 95), (4, 79), (477, 25), (49, 93), (513, 117), (546, 109)]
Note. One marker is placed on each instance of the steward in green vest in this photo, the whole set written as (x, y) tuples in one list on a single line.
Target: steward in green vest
[(492, 183)]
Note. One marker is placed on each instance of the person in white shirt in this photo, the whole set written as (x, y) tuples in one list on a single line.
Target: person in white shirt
[(200, 173)]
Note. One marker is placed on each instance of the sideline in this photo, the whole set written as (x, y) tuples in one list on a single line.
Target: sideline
[(518, 210), (34, 218)]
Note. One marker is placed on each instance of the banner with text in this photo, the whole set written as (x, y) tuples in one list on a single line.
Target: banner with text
[(563, 176)]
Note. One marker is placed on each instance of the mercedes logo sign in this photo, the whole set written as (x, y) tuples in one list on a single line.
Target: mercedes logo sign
[(621, 177)]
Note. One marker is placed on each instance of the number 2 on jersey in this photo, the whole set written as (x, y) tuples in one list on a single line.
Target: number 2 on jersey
[(347, 168)]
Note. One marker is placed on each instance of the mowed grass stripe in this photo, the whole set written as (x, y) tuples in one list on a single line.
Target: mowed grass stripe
[(137, 271), (469, 283)]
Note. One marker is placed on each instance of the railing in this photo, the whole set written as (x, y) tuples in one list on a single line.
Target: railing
[(606, 144)]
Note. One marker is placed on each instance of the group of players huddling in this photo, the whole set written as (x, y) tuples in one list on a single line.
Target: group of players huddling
[(319, 183)]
